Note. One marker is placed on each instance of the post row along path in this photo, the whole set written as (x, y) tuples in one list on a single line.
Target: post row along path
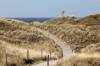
[(67, 51)]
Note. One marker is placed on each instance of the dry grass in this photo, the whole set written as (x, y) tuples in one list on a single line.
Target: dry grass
[(82, 35), (78, 35), (81, 60), (20, 35), (61, 20), (92, 48), (90, 20), (85, 37)]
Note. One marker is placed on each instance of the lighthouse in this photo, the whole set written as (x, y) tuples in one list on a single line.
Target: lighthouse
[(63, 13)]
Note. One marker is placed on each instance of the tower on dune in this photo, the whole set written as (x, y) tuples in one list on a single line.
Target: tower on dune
[(63, 13)]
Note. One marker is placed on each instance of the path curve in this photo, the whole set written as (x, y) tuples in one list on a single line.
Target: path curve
[(67, 51)]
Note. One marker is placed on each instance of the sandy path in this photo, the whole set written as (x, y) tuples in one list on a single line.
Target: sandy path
[(67, 52)]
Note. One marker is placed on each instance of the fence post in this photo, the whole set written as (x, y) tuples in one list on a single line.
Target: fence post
[(6, 59), (48, 60), (29, 64), (41, 53), (27, 53), (50, 54)]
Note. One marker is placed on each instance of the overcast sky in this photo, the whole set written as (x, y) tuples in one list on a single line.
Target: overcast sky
[(48, 8)]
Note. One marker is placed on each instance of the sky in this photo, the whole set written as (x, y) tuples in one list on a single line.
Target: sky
[(48, 8)]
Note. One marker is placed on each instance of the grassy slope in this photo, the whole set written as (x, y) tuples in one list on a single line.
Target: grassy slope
[(82, 35), (76, 61), (78, 34), (20, 35), (88, 36)]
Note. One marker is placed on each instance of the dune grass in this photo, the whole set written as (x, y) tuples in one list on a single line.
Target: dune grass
[(82, 35), (20, 35)]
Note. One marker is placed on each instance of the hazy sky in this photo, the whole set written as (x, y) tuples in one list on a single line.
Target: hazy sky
[(48, 8)]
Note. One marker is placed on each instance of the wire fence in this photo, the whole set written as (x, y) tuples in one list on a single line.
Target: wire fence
[(28, 60)]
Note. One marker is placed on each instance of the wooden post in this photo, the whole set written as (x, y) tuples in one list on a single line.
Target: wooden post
[(48, 60), (27, 53), (29, 64), (41, 53), (50, 54), (6, 59)]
